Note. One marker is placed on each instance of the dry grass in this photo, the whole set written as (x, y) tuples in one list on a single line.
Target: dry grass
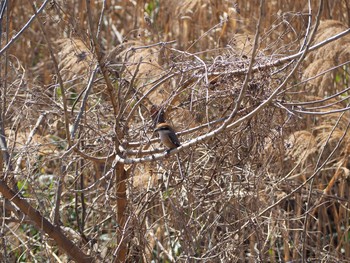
[(270, 188)]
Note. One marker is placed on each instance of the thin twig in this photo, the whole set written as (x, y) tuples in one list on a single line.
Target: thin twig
[(84, 101), (29, 139), (59, 77), (24, 28)]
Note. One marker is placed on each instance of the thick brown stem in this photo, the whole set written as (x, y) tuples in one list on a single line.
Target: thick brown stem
[(121, 217), (43, 224)]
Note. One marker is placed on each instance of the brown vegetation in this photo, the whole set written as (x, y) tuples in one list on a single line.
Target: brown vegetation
[(259, 95)]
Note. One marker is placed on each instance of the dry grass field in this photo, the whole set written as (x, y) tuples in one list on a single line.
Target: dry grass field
[(257, 92)]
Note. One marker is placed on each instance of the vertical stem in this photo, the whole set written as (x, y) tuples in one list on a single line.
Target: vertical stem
[(121, 208), (4, 153), (60, 81), (56, 218)]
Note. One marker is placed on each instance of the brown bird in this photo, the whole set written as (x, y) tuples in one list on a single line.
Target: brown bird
[(167, 135)]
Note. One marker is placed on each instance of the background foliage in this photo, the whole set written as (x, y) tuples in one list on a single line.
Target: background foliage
[(263, 171)]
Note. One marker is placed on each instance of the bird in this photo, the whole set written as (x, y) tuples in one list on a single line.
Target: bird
[(167, 135)]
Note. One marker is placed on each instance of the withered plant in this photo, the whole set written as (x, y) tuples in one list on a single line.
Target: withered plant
[(258, 94)]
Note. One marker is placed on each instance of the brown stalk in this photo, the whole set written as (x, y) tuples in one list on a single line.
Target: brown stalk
[(119, 166)]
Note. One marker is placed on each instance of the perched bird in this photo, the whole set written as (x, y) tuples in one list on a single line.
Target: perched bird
[(167, 135)]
